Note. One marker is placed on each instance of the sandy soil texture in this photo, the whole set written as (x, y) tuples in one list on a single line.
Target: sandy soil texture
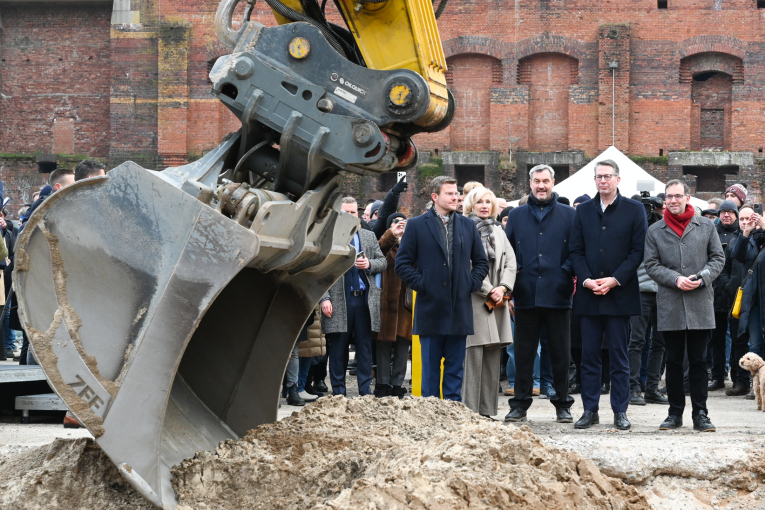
[(364, 453)]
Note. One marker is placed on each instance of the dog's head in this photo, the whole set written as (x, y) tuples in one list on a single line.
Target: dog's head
[(751, 362)]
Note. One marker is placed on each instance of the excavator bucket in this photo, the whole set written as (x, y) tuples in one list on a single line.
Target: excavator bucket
[(163, 324)]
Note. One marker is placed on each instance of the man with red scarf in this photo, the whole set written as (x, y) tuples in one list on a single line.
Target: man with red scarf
[(683, 255)]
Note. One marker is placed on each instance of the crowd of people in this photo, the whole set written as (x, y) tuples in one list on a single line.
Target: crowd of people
[(603, 296)]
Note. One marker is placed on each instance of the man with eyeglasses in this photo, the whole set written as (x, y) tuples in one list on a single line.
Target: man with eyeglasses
[(728, 230), (607, 240), (684, 256)]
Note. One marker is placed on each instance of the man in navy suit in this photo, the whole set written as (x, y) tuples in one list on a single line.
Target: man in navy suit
[(441, 257), (607, 241)]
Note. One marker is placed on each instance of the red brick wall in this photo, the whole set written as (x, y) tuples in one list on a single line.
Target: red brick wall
[(549, 76), (471, 84), (55, 66)]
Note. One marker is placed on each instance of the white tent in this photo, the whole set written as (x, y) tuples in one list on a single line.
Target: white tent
[(583, 182)]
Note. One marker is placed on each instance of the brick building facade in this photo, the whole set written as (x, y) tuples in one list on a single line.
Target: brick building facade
[(537, 81)]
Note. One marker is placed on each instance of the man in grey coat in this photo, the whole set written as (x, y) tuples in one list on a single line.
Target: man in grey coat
[(683, 255), (351, 307)]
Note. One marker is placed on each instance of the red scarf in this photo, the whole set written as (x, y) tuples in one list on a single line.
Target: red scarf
[(678, 223)]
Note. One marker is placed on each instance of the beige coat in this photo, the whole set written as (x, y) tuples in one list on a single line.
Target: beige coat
[(316, 345), (495, 327)]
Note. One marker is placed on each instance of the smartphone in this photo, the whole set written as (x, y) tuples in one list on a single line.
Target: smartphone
[(695, 278), (401, 176), (360, 255), (757, 208)]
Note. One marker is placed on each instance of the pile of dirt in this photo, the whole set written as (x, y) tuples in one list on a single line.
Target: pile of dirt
[(367, 453), (69, 474)]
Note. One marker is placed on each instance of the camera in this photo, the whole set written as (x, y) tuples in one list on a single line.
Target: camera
[(651, 204)]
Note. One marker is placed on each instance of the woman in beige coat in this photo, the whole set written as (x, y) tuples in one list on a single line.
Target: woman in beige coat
[(492, 329)]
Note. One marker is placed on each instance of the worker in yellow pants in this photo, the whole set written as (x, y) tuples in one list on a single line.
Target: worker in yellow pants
[(417, 361)]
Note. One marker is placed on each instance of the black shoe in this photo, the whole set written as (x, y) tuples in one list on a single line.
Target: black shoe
[(563, 416), (621, 422), (716, 385), (605, 388), (671, 423), (575, 389), (587, 420), (352, 363), (702, 424), (293, 398), (8, 353), (663, 390), (737, 390), (398, 391), (487, 417), (636, 399), (352, 372), (687, 390), (309, 388), (750, 395), (515, 415), (383, 390), (655, 398), (320, 386)]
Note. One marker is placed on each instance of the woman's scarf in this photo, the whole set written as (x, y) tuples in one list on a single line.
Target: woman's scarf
[(486, 229)]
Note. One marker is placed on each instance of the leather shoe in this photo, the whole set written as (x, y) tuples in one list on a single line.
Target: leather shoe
[(510, 392), (702, 424), (70, 422), (535, 392), (636, 399), (308, 397), (654, 397), (398, 391), (515, 415), (8, 353), (737, 390), (716, 385), (750, 395), (671, 423), (621, 422), (383, 390), (605, 388), (587, 420), (320, 386), (293, 398), (563, 416), (575, 389)]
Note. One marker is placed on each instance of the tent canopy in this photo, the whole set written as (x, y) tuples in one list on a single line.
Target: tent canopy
[(583, 182)]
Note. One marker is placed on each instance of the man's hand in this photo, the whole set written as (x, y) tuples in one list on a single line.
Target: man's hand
[(511, 306), (2, 222), (399, 187), (497, 294), (685, 284), (362, 262), (397, 229), (601, 286), (750, 225), (326, 307)]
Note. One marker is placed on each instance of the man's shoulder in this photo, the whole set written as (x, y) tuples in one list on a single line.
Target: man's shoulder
[(367, 235), (657, 226)]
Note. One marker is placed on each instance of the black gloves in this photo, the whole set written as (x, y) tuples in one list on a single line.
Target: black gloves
[(400, 186)]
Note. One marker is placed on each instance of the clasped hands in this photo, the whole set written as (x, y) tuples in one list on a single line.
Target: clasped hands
[(601, 286), (497, 294), (685, 283)]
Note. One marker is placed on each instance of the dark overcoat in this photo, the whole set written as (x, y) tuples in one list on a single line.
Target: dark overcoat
[(607, 244), (443, 305), (545, 277)]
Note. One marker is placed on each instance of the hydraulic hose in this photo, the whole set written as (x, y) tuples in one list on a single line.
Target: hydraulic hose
[(293, 15), (439, 11)]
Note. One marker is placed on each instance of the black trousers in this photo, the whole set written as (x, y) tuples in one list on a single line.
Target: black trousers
[(639, 324), (615, 328), (528, 325), (718, 346), (694, 341)]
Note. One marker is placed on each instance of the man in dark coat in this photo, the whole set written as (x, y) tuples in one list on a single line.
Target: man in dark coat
[(539, 232), (727, 229), (434, 259), (607, 241)]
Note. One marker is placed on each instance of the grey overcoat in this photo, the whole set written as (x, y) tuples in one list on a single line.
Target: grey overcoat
[(667, 256), (338, 323), (495, 327)]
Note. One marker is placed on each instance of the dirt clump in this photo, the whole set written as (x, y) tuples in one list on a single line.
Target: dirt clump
[(67, 473), (367, 453)]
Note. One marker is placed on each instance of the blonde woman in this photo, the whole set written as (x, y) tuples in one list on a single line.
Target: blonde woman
[(491, 313)]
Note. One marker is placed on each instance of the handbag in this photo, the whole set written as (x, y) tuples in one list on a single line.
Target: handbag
[(736, 310), (409, 299)]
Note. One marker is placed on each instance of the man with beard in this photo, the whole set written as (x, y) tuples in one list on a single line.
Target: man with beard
[(727, 230), (539, 233)]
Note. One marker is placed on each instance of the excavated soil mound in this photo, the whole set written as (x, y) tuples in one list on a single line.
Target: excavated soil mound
[(71, 474), (367, 453)]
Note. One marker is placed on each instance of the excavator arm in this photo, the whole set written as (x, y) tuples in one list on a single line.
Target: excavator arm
[(163, 305)]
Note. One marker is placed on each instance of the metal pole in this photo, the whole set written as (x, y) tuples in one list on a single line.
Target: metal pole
[(613, 106)]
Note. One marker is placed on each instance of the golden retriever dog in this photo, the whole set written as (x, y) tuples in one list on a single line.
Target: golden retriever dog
[(755, 364)]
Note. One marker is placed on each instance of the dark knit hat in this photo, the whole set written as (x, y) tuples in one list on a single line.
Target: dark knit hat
[(728, 205), (504, 213), (583, 198), (713, 212), (375, 207), (393, 217)]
